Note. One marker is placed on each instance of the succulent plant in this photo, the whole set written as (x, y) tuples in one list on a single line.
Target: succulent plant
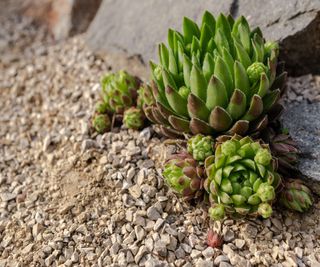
[(133, 118), (214, 240), (241, 178), (101, 123), (284, 148), (218, 78), (296, 196), (183, 175), (119, 91), (102, 107), (145, 96), (200, 147)]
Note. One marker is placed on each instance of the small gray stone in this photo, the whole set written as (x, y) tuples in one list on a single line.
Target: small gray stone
[(153, 213), (135, 191), (219, 259), (208, 252), (141, 252), (7, 196), (240, 243), (225, 264), (158, 224), (195, 253), (160, 248), (228, 235)]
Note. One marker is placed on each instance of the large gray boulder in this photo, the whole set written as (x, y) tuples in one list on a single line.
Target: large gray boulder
[(303, 122), (134, 28)]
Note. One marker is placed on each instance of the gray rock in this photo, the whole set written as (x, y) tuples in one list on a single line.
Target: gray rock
[(153, 213), (224, 264), (302, 120), (219, 259), (289, 22), (135, 27)]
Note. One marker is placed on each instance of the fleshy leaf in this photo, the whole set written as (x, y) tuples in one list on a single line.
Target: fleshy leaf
[(198, 83), (241, 80), (197, 108), (177, 103), (190, 29), (255, 109), (219, 119), (222, 72), (181, 125), (237, 105), (216, 94)]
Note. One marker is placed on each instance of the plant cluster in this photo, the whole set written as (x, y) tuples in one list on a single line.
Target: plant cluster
[(219, 84), (122, 99)]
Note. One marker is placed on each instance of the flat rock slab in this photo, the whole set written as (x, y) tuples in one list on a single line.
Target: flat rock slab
[(136, 27), (303, 121)]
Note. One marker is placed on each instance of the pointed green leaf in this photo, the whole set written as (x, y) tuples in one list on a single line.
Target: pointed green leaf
[(180, 57), (190, 29), (237, 105), (258, 48), (255, 109), (270, 99), (164, 55), (244, 36), (173, 68), (195, 45), (211, 46), (230, 20), (206, 35), (229, 60), (196, 59), (208, 66), (221, 41), (226, 186), (241, 80), (221, 71), (209, 20), (216, 94), (187, 65), (170, 38), (168, 80), (242, 55), (198, 84), (176, 102), (264, 85), (223, 24)]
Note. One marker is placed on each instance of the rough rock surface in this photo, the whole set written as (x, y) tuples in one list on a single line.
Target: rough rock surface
[(62, 17), (135, 27), (303, 121)]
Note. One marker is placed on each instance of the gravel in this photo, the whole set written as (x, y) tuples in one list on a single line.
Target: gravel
[(70, 197)]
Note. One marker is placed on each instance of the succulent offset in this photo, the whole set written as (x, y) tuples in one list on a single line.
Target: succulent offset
[(296, 196), (284, 148), (200, 147), (183, 175), (133, 118), (101, 123), (241, 179), (119, 91), (221, 77)]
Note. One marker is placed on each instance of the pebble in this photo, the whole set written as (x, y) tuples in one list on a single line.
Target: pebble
[(153, 213), (219, 259), (240, 243), (5, 197)]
